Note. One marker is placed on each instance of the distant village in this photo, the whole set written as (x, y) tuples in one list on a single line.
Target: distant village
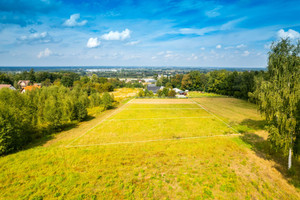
[(149, 83), (24, 85)]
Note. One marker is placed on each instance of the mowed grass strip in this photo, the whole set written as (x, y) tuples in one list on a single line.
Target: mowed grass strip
[(154, 124), (161, 101), (141, 130), (156, 112), (223, 168)]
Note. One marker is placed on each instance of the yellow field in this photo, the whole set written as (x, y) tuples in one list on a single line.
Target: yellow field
[(132, 153), (155, 119), (123, 93)]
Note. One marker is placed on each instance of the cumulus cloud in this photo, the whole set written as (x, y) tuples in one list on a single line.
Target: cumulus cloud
[(246, 53), (115, 35), (218, 46), (93, 42), (288, 34), (47, 52), (33, 38), (73, 21)]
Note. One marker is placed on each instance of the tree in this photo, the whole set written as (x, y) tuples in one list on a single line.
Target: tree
[(279, 95), (107, 100), (171, 93), (31, 76)]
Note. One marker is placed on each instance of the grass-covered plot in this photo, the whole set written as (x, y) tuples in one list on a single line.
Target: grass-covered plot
[(163, 166), (147, 120)]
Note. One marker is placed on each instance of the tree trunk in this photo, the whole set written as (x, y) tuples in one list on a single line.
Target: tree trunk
[(290, 159)]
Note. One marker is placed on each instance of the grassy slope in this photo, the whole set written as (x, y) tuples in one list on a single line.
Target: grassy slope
[(220, 168)]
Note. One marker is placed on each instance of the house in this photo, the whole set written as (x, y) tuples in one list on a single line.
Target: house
[(180, 92), (153, 88), (149, 80), (177, 90), (7, 86), (30, 87), (23, 83)]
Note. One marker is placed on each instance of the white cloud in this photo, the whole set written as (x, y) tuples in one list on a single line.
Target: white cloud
[(246, 53), (202, 48), (240, 46), (231, 24), (132, 43), (214, 12), (93, 42), (218, 46), (33, 38), (288, 34), (73, 21), (193, 57), (115, 35), (201, 31), (47, 52)]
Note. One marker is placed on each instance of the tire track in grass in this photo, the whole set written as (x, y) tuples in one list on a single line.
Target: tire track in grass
[(157, 140), (197, 103)]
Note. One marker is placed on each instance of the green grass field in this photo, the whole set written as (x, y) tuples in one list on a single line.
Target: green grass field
[(144, 150), (196, 94)]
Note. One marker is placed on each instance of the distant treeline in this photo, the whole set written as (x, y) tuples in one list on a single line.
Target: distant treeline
[(67, 79), (236, 84)]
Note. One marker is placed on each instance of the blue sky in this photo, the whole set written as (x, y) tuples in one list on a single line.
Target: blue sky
[(143, 33)]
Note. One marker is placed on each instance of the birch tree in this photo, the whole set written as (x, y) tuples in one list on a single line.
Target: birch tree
[(278, 97)]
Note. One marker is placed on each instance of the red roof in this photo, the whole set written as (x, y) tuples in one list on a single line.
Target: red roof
[(5, 86)]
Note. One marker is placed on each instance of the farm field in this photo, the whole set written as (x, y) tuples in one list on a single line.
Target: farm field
[(151, 149), (197, 94), (123, 93)]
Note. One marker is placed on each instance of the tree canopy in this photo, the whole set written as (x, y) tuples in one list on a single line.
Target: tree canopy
[(279, 96)]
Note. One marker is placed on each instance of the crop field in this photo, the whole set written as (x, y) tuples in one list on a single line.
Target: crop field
[(152, 149), (123, 93)]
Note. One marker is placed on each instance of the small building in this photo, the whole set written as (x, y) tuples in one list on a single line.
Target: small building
[(7, 86), (153, 88), (30, 87), (177, 90), (149, 80), (23, 83)]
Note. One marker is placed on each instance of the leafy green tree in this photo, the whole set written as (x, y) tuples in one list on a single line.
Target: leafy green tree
[(279, 96), (67, 81), (171, 93), (31, 76), (15, 121), (46, 83), (107, 100)]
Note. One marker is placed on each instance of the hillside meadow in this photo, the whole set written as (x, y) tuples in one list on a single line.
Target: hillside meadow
[(155, 149)]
